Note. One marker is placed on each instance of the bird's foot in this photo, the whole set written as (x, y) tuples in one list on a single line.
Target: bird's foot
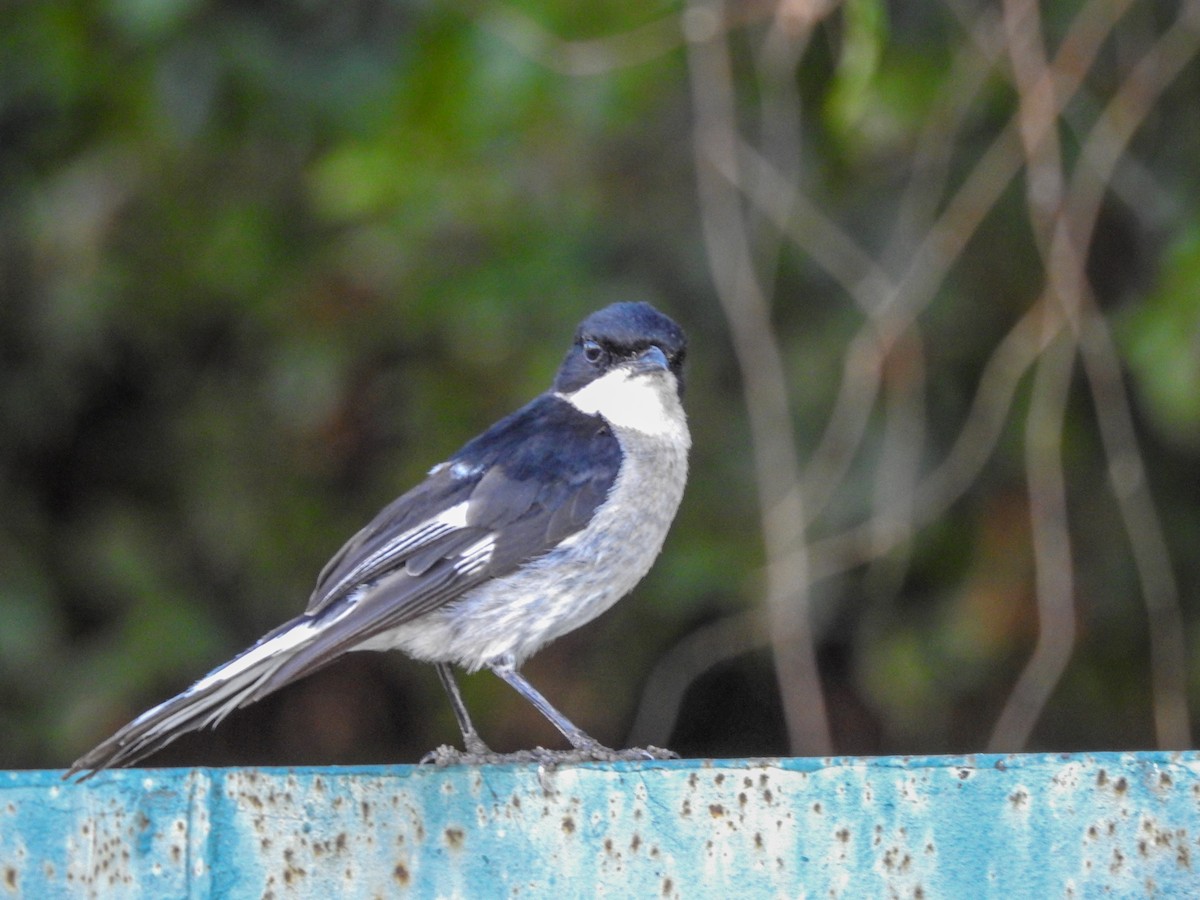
[(599, 753), (451, 756)]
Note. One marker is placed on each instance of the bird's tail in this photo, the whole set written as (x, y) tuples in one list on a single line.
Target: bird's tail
[(282, 656)]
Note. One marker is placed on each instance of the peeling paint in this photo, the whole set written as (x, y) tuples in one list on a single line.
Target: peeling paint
[(979, 826)]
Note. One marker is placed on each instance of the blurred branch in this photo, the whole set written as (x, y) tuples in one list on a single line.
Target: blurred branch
[(943, 244), (1037, 117), (584, 57), (899, 467), (893, 308), (976, 439), (1175, 48), (973, 63), (764, 382), (1063, 227), (599, 56), (1051, 548)]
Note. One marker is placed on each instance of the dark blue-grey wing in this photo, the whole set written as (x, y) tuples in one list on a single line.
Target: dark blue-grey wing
[(521, 487)]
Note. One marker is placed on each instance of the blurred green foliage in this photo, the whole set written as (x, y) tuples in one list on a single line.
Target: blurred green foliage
[(262, 265)]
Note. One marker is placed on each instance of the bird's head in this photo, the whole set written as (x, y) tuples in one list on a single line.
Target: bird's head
[(626, 365)]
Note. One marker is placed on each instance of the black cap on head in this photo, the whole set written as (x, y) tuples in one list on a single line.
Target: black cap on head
[(622, 331)]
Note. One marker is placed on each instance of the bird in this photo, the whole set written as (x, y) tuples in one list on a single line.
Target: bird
[(529, 531)]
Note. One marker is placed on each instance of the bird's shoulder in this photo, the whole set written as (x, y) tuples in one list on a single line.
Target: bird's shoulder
[(548, 440)]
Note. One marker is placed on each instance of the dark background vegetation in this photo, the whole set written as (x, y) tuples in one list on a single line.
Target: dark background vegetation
[(262, 265)]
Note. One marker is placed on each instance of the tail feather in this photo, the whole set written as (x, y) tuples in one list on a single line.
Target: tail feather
[(208, 701)]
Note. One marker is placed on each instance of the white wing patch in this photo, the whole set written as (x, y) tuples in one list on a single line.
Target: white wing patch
[(459, 470), (475, 557), (462, 470), (446, 521)]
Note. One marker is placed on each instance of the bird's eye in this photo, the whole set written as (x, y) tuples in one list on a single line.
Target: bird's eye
[(592, 352)]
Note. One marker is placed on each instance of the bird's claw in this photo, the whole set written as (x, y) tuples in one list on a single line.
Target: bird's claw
[(446, 755)]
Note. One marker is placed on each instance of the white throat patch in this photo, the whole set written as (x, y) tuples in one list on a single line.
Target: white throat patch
[(645, 402)]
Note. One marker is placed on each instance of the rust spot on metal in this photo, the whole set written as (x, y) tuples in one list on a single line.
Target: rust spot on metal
[(720, 779), (716, 810), (743, 799), (10, 878), (1121, 785), (1164, 780), (758, 840), (843, 835), (668, 886), (816, 807), (686, 810), (291, 872), (454, 837), (768, 796), (568, 825), (1019, 798), (400, 874), (692, 780), (608, 846), (896, 860), (635, 843)]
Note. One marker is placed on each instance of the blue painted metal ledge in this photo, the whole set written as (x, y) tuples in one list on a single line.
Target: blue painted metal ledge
[(1112, 825)]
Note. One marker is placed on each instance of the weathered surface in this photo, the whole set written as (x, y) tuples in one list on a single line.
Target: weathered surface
[(996, 826)]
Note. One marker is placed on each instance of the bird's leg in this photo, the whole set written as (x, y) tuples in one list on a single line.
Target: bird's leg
[(506, 669), (585, 747), (471, 739)]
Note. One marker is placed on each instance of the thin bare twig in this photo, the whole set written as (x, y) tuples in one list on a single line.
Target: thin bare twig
[(764, 383), (1054, 577), (1158, 68), (1037, 117)]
